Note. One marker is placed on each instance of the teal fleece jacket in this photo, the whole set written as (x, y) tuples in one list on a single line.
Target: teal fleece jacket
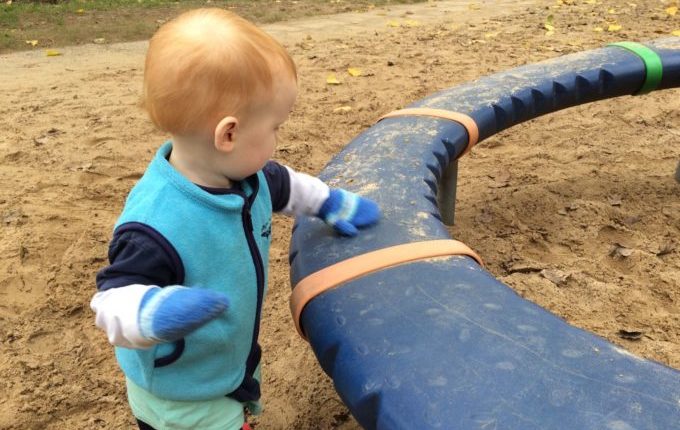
[(222, 242)]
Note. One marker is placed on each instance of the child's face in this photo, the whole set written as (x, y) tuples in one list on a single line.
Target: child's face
[(257, 134)]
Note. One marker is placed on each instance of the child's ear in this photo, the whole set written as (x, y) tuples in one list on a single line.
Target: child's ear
[(225, 134)]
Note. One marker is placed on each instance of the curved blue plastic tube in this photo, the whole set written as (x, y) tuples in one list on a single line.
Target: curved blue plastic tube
[(441, 343)]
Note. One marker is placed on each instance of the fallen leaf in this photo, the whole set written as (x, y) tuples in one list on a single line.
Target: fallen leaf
[(393, 24), (630, 335), (612, 11), (557, 277), (614, 27), (618, 250), (80, 11), (411, 23), (474, 6), (675, 32), (548, 25), (354, 71), (99, 40), (490, 35), (32, 42), (672, 10), (52, 53), (591, 1), (342, 109), (521, 267), (332, 80), (598, 29)]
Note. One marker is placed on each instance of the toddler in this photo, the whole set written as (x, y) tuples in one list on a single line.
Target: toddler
[(181, 299)]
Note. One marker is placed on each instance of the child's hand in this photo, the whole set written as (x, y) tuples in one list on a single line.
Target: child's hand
[(347, 212), (168, 314)]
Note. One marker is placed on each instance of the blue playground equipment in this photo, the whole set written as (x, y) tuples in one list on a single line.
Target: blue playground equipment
[(415, 336)]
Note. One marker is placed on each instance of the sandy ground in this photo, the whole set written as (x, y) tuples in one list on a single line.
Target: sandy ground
[(577, 211)]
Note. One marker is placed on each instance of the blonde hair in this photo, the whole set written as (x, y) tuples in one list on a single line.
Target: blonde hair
[(207, 64)]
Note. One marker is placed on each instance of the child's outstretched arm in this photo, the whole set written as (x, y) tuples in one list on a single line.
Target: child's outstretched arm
[(345, 211), (139, 316), (131, 307)]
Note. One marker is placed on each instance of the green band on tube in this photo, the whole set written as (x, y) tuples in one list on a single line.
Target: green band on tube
[(652, 62)]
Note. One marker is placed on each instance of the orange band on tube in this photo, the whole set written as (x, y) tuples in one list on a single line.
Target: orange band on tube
[(364, 264), (464, 120)]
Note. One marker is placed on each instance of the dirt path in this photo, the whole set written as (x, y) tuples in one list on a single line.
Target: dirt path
[(32, 69), (73, 142)]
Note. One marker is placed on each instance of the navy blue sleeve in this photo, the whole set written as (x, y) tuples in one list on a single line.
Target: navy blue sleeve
[(140, 257), (279, 184)]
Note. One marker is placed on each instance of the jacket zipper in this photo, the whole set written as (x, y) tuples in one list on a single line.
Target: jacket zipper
[(259, 268)]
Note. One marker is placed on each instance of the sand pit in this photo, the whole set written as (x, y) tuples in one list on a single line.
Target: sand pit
[(549, 204)]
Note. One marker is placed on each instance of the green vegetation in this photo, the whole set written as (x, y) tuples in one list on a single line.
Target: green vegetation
[(45, 24)]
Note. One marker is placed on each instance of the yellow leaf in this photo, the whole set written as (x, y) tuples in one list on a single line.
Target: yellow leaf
[(52, 53), (354, 71), (611, 11), (393, 23), (614, 27), (676, 33), (549, 27), (342, 109), (474, 6), (32, 42), (598, 29), (411, 23), (332, 80), (490, 35), (672, 10), (80, 11), (591, 1)]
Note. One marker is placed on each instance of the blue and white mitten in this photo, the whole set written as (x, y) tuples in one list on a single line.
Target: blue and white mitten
[(170, 313), (346, 212)]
